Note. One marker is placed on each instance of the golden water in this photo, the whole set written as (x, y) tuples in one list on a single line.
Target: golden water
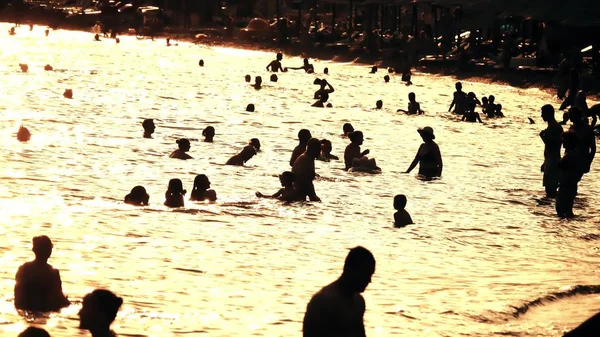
[(242, 266)]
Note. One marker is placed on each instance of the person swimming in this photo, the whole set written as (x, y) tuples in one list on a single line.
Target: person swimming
[(201, 191), (353, 157), (149, 127), (338, 309), (347, 128), (325, 88), (428, 156), (373, 69), (379, 104), (250, 108), (304, 136), (257, 82), (11, 31), (137, 197), (275, 65), (321, 103), (241, 158), (459, 101), (401, 217), (274, 78), (174, 194), (208, 133), (48, 67), (287, 193), (414, 107), (306, 66), (98, 310), (68, 93), (326, 149), (201, 63), (97, 37), (247, 78), (181, 152), (24, 67), (304, 171), (326, 71), (23, 135), (386, 78), (38, 286)]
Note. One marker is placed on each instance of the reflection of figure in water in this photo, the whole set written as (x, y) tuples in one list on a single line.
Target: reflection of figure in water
[(573, 89), (348, 129), (325, 88), (303, 137), (23, 135), (428, 156), (570, 175), (353, 157), (137, 197), (239, 159), (175, 193), (304, 171), (288, 192), (34, 332), (326, 151), (274, 78), (586, 139), (257, 82), (98, 311), (401, 217), (588, 328), (148, 125), (338, 309), (552, 138), (307, 67), (180, 153), (208, 133), (459, 101), (200, 191), (414, 107), (275, 65), (38, 286)]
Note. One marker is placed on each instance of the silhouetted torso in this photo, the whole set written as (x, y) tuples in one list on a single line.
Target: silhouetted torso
[(38, 288)]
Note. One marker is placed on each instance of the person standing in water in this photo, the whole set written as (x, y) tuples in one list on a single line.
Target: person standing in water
[(38, 286), (428, 156), (303, 137), (586, 145), (98, 311), (459, 101), (338, 309), (552, 138), (306, 66), (414, 107), (181, 152), (570, 175), (275, 65), (325, 88), (304, 171)]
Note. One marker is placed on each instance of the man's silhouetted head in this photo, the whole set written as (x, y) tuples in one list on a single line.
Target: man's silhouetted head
[(358, 269)]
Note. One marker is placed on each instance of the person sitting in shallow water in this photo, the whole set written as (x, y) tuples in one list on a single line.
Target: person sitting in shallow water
[(287, 193), (322, 102), (414, 107), (98, 310), (175, 193), (347, 128), (201, 191), (208, 133), (137, 196), (428, 156), (180, 153), (38, 286), (307, 67), (401, 217), (303, 137), (275, 65), (353, 157), (149, 127), (326, 151), (241, 158)]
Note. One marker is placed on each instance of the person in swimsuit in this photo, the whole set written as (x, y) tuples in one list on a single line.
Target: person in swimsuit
[(137, 197), (275, 65), (175, 193), (459, 100), (325, 88), (570, 175), (586, 145), (322, 102), (471, 115), (287, 193), (201, 191), (428, 156), (181, 152)]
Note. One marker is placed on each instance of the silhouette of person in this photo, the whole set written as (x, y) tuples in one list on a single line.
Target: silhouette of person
[(275, 65), (180, 153), (255, 144), (353, 157), (386, 78), (326, 149), (208, 133), (347, 128), (552, 138), (323, 98), (586, 138), (470, 114), (570, 175), (573, 90), (303, 137), (373, 69), (175, 193), (48, 67), (98, 311), (287, 193), (414, 107), (589, 328), (338, 308), (241, 158), (306, 66), (38, 285), (428, 156), (250, 107), (247, 78), (379, 104), (34, 332), (459, 101), (201, 191), (401, 217), (23, 135), (137, 197), (148, 125), (325, 88), (304, 171), (257, 82), (68, 93), (326, 71), (201, 63), (274, 78)]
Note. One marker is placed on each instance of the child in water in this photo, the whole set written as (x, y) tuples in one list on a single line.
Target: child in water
[(326, 151), (200, 191), (180, 153), (137, 197), (414, 107), (401, 217), (175, 193), (288, 193)]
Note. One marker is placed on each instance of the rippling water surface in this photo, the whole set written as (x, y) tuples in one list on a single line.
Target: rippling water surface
[(482, 245)]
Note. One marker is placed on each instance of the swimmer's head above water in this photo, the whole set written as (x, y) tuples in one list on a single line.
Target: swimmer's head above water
[(138, 196), (399, 201), (183, 144), (255, 143), (208, 133), (313, 148), (304, 136), (379, 104), (149, 127), (274, 78), (386, 78), (250, 107), (458, 86), (248, 78), (23, 134), (347, 128)]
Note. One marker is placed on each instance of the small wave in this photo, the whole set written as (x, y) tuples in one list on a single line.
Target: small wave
[(553, 297)]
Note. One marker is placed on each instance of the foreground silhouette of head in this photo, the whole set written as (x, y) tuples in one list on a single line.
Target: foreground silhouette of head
[(98, 311), (137, 197), (149, 127), (34, 332), (401, 217)]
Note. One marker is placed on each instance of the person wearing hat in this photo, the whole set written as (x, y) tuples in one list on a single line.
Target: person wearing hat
[(38, 286), (428, 156)]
